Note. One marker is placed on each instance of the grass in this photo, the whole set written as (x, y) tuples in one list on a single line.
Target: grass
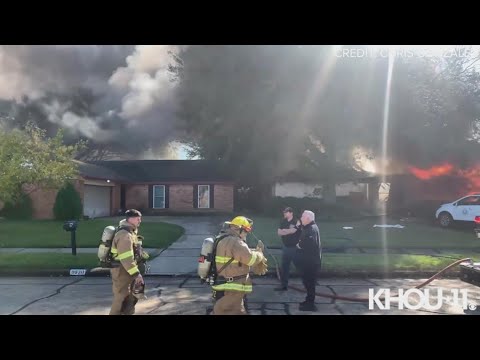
[(376, 263), (338, 263), (50, 234), (394, 262), (331, 262), (365, 236), (462, 243), (46, 261)]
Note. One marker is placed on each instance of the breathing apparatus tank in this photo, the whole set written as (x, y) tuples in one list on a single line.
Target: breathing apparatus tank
[(205, 259), (106, 244)]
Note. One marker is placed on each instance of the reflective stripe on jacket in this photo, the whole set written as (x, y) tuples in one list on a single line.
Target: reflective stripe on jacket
[(122, 249), (234, 276)]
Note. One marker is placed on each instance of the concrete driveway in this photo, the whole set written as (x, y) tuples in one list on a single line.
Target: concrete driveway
[(181, 258)]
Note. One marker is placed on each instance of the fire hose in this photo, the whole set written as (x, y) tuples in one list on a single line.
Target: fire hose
[(356, 299)]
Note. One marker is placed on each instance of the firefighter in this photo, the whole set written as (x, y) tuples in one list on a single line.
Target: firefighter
[(128, 283), (233, 261)]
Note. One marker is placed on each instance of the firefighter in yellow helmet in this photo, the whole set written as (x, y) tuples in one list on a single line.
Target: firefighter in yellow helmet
[(233, 261)]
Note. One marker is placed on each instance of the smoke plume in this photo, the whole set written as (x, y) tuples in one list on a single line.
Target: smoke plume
[(120, 95)]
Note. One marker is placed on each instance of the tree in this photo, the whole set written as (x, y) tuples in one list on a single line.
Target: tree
[(230, 107), (268, 109), (29, 161), (68, 205), (435, 107)]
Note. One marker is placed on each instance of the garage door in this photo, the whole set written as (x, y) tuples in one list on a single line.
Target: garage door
[(96, 201)]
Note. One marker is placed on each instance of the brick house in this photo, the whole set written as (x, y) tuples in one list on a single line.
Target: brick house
[(152, 186)]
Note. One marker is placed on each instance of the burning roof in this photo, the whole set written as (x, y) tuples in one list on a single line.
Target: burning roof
[(463, 181)]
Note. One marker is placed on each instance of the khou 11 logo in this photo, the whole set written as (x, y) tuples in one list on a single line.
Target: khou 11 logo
[(458, 298)]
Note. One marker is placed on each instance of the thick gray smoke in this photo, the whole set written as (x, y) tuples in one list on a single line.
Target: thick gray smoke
[(110, 95)]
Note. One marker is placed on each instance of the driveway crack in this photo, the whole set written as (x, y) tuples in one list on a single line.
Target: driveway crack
[(46, 297)]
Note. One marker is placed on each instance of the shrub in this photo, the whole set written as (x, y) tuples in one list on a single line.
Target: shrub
[(68, 205), (22, 209)]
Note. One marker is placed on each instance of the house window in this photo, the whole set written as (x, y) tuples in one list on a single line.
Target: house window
[(159, 196), (203, 196)]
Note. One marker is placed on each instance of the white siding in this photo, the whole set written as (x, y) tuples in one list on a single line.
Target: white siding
[(301, 190), (347, 188), (298, 190)]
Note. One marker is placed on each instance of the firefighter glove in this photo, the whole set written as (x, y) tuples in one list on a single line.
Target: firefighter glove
[(261, 268)]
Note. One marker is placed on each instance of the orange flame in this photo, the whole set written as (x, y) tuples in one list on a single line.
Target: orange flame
[(435, 171), (473, 176), (470, 175)]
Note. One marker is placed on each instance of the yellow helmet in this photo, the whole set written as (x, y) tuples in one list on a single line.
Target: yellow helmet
[(242, 222)]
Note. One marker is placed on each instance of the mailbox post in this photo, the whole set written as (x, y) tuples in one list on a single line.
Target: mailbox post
[(71, 227)]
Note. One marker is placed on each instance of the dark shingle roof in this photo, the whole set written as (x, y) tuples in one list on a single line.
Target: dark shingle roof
[(166, 170), (342, 174), (98, 172)]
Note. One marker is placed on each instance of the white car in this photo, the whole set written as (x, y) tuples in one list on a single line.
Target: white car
[(465, 209)]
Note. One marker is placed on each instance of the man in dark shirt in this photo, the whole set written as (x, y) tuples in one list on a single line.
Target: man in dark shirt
[(289, 233), (309, 258)]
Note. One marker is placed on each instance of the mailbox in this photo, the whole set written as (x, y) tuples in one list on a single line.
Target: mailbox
[(71, 227)]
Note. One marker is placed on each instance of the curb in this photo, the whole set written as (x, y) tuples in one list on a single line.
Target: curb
[(52, 273)]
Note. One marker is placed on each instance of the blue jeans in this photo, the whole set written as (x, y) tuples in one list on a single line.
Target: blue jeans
[(288, 256)]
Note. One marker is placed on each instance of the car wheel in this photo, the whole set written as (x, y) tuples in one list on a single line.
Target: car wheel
[(445, 219)]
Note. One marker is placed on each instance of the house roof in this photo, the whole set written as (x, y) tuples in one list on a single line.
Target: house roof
[(98, 172), (163, 170), (310, 175)]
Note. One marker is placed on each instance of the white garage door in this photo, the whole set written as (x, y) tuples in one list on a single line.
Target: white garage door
[(96, 201)]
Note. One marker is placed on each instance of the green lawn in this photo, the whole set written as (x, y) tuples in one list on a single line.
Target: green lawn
[(378, 263), (46, 261), (414, 236), (160, 235), (50, 234), (331, 262), (364, 235)]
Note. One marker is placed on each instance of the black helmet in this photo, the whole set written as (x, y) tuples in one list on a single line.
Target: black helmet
[(133, 213)]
